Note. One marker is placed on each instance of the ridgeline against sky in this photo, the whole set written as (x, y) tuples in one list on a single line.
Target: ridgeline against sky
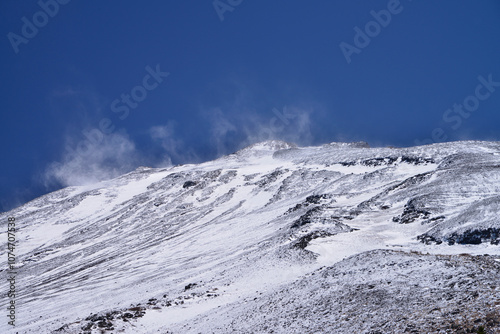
[(92, 90)]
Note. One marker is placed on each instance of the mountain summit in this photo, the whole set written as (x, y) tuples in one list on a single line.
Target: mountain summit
[(274, 238)]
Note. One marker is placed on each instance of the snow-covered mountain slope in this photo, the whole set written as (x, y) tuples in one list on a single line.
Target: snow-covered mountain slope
[(201, 245), (372, 292)]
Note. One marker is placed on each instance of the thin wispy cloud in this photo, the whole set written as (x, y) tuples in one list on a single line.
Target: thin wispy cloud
[(221, 129), (113, 156), (292, 124), (83, 105), (174, 148), (91, 156)]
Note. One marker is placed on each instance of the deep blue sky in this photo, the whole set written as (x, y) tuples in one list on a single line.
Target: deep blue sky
[(269, 69)]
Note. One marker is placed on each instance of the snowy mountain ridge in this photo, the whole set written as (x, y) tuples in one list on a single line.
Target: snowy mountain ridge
[(194, 248)]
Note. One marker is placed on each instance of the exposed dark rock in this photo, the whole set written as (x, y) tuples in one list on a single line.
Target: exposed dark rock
[(313, 199), (434, 219), (379, 161), (316, 199), (471, 237), (87, 326), (306, 217), (270, 178), (295, 208), (428, 239), (212, 175), (94, 318), (416, 160), (390, 160), (412, 180), (303, 241), (188, 184), (411, 212), (105, 324), (475, 237), (62, 328)]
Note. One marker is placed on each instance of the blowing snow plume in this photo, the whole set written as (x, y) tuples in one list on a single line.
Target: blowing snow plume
[(93, 160)]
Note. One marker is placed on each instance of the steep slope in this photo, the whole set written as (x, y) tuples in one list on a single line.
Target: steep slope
[(120, 254), (379, 291)]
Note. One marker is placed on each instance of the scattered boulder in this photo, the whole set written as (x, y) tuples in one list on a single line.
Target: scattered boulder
[(188, 184), (316, 199)]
